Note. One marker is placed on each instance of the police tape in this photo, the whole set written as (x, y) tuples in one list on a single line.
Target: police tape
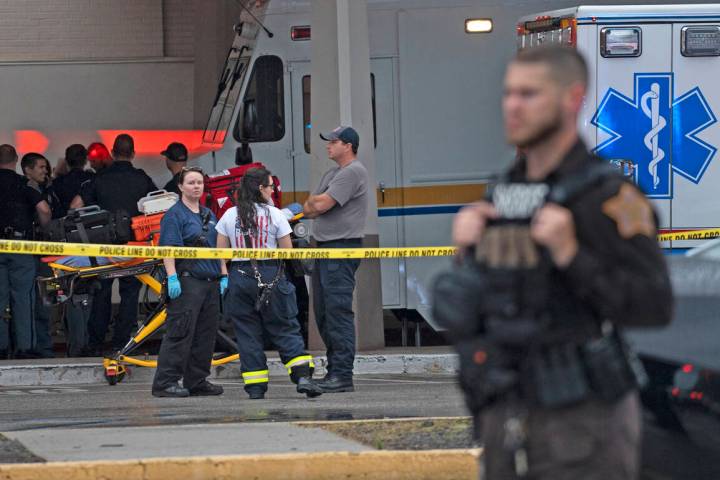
[(676, 236), (141, 251)]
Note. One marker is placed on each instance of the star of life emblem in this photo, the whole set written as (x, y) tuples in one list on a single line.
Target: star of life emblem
[(656, 132)]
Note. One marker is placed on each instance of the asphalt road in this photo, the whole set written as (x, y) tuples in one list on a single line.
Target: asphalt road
[(130, 404)]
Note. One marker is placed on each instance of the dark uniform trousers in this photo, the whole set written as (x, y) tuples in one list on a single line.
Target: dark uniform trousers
[(278, 318), (189, 341), (17, 281), (592, 440), (333, 283), (126, 319)]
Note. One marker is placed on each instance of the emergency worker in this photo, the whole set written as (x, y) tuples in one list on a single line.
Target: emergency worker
[(260, 298), (338, 207), (20, 203), (194, 288), (117, 189), (176, 156), (544, 364)]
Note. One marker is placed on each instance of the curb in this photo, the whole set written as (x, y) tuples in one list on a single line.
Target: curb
[(31, 375), (398, 465)]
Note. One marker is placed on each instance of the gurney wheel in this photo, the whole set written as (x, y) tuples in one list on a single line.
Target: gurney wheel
[(114, 371)]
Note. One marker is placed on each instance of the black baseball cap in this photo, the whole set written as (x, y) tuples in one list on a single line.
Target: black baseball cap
[(176, 152), (344, 134)]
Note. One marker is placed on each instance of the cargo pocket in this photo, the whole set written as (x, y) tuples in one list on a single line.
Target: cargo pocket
[(287, 300), (178, 325)]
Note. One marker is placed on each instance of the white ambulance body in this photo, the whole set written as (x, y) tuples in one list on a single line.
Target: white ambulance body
[(652, 100), (437, 91)]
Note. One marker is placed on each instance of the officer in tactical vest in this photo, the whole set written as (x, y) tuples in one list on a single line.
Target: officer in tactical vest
[(19, 204), (116, 188), (554, 263)]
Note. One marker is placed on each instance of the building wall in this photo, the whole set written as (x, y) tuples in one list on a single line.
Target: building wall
[(80, 29), (71, 69)]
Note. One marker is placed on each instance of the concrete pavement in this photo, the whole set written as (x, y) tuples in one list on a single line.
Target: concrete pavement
[(130, 443)]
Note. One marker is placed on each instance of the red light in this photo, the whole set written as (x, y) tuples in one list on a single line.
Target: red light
[(98, 151), (675, 391), (30, 141), (687, 368), (152, 142), (300, 33)]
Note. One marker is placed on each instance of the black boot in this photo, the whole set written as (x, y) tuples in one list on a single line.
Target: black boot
[(302, 377)]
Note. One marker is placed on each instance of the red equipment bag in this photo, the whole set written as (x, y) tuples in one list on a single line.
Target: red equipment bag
[(220, 188)]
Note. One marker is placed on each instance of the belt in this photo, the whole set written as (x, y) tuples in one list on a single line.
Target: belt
[(198, 277), (340, 240), (240, 264)]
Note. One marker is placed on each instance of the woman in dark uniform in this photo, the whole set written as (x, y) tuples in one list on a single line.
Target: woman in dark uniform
[(260, 297), (194, 288)]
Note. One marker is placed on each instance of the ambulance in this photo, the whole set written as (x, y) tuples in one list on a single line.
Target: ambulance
[(652, 102)]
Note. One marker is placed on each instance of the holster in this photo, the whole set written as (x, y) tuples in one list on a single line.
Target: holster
[(612, 368), (486, 372)]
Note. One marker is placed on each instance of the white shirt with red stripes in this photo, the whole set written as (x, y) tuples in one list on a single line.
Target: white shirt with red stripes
[(271, 223)]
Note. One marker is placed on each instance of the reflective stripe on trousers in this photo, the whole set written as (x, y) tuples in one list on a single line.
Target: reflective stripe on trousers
[(258, 376)]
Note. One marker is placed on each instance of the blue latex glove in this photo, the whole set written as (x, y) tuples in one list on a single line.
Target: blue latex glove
[(295, 208), (174, 288), (223, 285)]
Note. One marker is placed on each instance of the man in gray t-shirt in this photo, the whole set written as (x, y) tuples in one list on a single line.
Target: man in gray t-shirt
[(338, 207)]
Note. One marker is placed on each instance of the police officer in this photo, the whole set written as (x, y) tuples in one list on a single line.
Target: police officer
[(36, 169), (194, 288), (260, 298), (559, 391), (116, 188), (19, 203), (67, 186), (176, 156), (338, 207)]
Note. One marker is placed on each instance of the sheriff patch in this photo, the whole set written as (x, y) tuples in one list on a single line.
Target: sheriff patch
[(631, 211)]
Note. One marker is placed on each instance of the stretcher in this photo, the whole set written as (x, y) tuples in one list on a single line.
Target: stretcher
[(75, 275)]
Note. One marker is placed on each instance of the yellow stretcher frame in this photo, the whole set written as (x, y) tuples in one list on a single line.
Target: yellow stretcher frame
[(116, 366)]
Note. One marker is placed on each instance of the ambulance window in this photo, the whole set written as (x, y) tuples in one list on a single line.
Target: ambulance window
[(620, 42), (700, 41), (262, 112), (307, 125)]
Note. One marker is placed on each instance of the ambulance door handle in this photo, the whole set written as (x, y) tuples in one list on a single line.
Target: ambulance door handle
[(381, 185)]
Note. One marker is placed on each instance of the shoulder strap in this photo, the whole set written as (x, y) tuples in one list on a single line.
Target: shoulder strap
[(569, 187)]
